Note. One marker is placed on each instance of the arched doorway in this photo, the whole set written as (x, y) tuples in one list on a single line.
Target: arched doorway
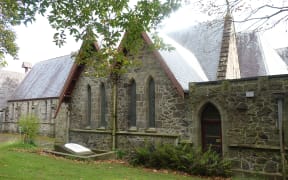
[(211, 129)]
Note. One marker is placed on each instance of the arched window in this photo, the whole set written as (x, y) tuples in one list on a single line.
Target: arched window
[(151, 103), (211, 129), (89, 105), (102, 105), (13, 111), (46, 110), (132, 104)]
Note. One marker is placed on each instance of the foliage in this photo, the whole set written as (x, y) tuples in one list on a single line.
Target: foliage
[(106, 21), (120, 154), (182, 158), (29, 126), (13, 13)]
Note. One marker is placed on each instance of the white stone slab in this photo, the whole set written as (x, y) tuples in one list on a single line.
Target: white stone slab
[(77, 148)]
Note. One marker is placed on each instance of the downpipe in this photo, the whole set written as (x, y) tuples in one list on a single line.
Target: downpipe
[(114, 115), (281, 135)]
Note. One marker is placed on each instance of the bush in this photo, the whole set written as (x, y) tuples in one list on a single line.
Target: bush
[(182, 158), (29, 127), (120, 154)]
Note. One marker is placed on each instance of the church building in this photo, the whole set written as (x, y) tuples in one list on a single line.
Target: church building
[(217, 88)]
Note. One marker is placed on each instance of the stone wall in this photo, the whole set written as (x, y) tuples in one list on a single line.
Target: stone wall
[(170, 119), (44, 109), (228, 67), (8, 83), (62, 124), (249, 115)]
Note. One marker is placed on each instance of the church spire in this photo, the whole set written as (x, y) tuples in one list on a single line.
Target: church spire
[(228, 8), (228, 67)]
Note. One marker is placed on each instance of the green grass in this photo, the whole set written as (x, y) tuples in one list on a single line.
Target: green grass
[(16, 163)]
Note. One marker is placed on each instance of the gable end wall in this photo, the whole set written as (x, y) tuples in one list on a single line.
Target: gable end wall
[(171, 123)]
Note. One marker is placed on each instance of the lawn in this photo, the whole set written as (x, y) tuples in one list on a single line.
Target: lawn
[(16, 163)]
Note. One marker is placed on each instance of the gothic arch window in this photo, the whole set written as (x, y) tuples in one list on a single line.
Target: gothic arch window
[(132, 104), (13, 111), (89, 105), (211, 128), (151, 103), (103, 103), (46, 110)]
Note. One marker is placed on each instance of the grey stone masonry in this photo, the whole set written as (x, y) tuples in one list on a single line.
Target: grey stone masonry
[(228, 67), (171, 123), (44, 109), (8, 83), (249, 116)]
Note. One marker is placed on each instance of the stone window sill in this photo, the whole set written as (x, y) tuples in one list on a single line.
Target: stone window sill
[(133, 129), (101, 128), (88, 127), (151, 130)]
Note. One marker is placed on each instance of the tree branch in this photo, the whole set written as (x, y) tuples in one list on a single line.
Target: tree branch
[(262, 17)]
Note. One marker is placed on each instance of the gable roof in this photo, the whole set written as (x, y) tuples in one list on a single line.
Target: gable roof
[(256, 57), (204, 41), (197, 54), (72, 77), (45, 80), (182, 63), (8, 83), (165, 66)]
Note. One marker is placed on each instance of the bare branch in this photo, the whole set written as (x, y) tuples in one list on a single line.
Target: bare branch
[(263, 17)]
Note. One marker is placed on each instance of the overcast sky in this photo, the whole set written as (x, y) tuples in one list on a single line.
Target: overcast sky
[(36, 40)]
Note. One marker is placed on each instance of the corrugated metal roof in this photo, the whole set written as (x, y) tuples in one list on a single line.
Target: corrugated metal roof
[(256, 57), (183, 64), (249, 55), (204, 41), (46, 79), (274, 63), (8, 83)]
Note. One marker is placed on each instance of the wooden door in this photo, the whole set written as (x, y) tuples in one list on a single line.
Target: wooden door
[(211, 129)]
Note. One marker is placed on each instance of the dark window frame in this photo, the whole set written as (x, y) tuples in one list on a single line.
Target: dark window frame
[(132, 113), (151, 103), (89, 105), (103, 105)]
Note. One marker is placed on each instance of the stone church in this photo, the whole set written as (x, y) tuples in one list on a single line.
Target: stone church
[(217, 88), (37, 94)]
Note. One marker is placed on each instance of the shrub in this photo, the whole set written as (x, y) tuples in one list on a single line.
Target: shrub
[(182, 158), (29, 127), (120, 154)]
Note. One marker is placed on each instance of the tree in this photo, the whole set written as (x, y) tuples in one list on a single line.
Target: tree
[(257, 15), (29, 126), (14, 13), (108, 20), (104, 20)]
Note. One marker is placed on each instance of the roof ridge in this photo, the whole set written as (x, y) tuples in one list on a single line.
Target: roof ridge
[(58, 57)]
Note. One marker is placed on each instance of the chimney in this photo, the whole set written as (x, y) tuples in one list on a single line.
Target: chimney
[(26, 66)]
